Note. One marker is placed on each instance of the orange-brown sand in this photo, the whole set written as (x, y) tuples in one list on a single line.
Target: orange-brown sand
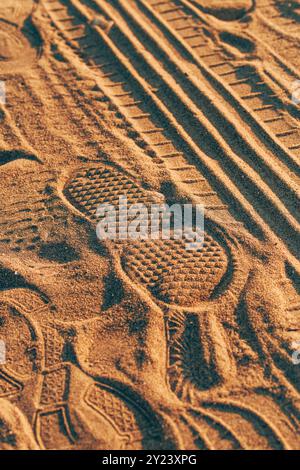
[(143, 344)]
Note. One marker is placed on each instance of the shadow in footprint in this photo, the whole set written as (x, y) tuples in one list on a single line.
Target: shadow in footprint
[(7, 156), (240, 43)]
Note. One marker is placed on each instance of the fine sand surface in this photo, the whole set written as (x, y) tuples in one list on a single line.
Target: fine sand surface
[(144, 344)]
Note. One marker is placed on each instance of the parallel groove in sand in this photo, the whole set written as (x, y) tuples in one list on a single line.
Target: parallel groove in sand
[(212, 58)]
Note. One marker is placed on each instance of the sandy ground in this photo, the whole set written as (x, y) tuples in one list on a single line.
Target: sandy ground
[(143, 345)]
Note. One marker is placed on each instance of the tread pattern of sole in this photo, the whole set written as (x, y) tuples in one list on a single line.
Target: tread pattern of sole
[(147, 121)]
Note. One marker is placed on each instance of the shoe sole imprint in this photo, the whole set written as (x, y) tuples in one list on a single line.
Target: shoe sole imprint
[(171, 273)]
